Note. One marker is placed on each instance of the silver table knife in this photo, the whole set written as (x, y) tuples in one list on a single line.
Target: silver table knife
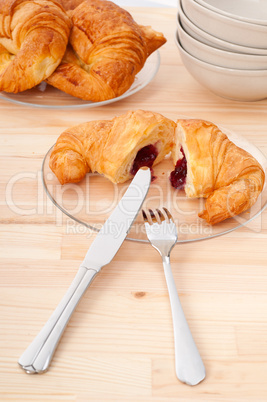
[(37, 357)]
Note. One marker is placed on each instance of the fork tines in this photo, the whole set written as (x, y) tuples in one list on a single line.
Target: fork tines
[(157, 216)]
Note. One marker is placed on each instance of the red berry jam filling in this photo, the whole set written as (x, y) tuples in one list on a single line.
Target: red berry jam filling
[(145, 157), (178, 175)]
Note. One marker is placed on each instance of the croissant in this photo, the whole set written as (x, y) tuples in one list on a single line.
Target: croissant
[(33, 38), (210, 165), (116, 148), (107, 49)]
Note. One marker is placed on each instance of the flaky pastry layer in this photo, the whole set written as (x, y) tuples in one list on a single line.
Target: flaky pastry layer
[(33, 39), (229, 177)]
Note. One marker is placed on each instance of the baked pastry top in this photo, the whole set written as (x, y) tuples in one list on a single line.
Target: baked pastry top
[(107, 48), (33, 39), (213, 167), (116, 148), (71, 4)]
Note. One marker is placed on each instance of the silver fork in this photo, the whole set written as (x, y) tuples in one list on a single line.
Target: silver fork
[(162, 234)]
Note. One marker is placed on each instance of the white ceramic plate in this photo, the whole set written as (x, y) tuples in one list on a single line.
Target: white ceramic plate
[(219, 57), (90, 202), (225, 28), (252, 11), (45, 96), (235, 84), (211, 40)]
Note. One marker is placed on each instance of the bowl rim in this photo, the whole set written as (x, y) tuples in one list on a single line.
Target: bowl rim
[(224, 19), (236, 48), (218, 10), (213, 67), (220, 52)]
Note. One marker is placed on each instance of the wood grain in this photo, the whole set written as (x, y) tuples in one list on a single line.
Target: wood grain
[(118, 345)]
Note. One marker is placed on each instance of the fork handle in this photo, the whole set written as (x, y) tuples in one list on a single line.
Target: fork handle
[(188, 363), (37, 357)]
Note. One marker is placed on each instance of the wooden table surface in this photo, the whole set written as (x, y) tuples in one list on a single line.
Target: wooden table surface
[(118, 345)]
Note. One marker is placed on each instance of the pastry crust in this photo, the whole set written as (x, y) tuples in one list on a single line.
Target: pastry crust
[(229, 177), (70, 5), (33, 38), (109, 147), (107, 49)]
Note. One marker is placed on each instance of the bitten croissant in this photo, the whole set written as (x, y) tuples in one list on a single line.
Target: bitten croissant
[(116, 148), (107, 49), (33, 39), (211, 166)]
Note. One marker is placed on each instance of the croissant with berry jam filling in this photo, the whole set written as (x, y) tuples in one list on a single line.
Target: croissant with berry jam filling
[(209, 165), (116, 148)]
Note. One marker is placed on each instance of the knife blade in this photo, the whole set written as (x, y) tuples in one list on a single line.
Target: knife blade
[(37, 357)]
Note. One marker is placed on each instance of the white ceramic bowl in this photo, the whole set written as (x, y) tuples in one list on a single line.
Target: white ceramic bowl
[(225, 28), (241, 85), (210, 40), (219, 57), (252, 11)]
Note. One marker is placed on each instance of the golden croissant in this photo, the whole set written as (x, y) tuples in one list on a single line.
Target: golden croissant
[(107, 49), (116, 148), (210, 165), (33, 39)]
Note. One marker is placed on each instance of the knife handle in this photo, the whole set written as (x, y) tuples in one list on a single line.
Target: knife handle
[(38, 355)]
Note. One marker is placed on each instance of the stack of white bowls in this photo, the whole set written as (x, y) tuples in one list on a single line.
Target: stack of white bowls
[(223, 44)]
